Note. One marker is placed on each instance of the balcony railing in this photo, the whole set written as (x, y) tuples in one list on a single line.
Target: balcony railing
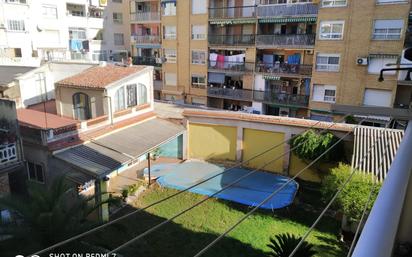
[(284, 68), (146, 39), (296, 40), (145, 16), (232, 12), (280, 10), (231, 66), (259, 96), (8, 153), (232, 40), (142, 60)]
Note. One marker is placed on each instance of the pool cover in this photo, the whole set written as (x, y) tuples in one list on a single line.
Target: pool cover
[(249, 191)]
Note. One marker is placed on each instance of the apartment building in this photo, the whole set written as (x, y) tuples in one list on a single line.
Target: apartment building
[(276, 57), (93, 30)]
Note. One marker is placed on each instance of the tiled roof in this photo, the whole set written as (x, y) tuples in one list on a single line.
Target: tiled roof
[(99, 76), (41, 120)]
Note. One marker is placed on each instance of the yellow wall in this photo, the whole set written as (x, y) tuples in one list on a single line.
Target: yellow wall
[(258, 141), (212, 142), (296, 165)]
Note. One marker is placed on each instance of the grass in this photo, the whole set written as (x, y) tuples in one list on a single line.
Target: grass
[(192, 231)]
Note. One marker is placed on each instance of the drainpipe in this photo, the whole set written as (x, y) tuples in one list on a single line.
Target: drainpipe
[(110, 112)]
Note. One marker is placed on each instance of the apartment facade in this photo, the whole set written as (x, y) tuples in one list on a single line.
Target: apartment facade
[(276, 57), (93, 30)]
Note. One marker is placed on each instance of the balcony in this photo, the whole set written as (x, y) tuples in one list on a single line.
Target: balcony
[(284, 69), (146, 39), (145, 17), (294, 40), (269, 97), (144, 60), (232, 12), (8, 154), (231, 67), (287, 10), (232, 40)]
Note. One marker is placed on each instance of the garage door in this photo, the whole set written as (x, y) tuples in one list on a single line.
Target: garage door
[(258, 141), (212, 142)]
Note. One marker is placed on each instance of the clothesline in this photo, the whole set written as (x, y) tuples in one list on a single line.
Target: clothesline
[(226, 61)]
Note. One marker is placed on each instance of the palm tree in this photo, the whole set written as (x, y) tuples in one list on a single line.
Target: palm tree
[(282, 245), (49, 215)]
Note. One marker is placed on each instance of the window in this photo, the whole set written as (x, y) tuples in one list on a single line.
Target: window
[(169, 32), (118, 39), (374, 97), (49, 11), (81, 106), (198, 81), (333, 3), (199, 6), (332, 30), (327, 62), (198, 32), (119, 103), (387, 29), (170, 79), (169, 8), (198, 57), (17, 1), (15, 25), (118, 18), (390, 1), (170, 55), (77, 33), (99, 55), (324, 93), (142, 89), (376, 63), (131, 95), (35, 172)]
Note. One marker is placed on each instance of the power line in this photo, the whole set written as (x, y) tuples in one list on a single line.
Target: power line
[(271, 195), (173, 195), (339, 191), (207, 198)]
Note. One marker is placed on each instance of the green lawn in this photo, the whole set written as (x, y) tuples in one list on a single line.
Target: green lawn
[(191, 232)]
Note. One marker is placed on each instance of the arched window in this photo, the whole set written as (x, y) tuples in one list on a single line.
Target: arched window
[(142, 94), (119, 103), (131, 95), (81, 106)]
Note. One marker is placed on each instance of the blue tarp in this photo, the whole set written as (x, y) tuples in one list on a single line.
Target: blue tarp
[(249, 191)]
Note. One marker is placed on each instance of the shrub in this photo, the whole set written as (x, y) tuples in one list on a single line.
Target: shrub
[(310, 145), (282, 245), (353, 198)]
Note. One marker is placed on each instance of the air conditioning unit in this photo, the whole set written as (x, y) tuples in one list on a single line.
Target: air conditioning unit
[(362, 61)]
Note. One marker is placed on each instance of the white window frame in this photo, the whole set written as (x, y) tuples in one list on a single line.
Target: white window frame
[(79, 32), (199, 61), (378, 2), (334, 3), (388, 92), (327, 66), (170, 55), (116, 37), (170, 79), (331, 34), (45, 11), (323, 97), (199, 36), (198, 84), (196, 3), (168, 35), (382, 66), (16, 25), (169, 11), (386, 34)]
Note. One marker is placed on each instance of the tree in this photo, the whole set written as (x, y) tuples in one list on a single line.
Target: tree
[(282, 245), (49, 215)]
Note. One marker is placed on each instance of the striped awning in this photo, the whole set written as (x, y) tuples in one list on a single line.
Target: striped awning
[(268, 77), (383, 144), (232, 21), (286, 20)]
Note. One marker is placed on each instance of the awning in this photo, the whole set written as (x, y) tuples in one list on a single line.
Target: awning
[(286, 20), (232, 21), (268, 77), (383, 144), (112, 152), (216, 77), (389, 56)]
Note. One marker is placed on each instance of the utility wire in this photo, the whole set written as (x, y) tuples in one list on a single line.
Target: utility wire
[(339, 191), (208, 197), (201, 252), (173, 195)]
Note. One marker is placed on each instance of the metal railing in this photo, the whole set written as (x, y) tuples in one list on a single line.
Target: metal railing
[(145, 16), (271, 97), (143, 60), (284, 68), (279, 10), (146, 39), (296, 40), (248, 39), (232, 12), (231, 66)]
